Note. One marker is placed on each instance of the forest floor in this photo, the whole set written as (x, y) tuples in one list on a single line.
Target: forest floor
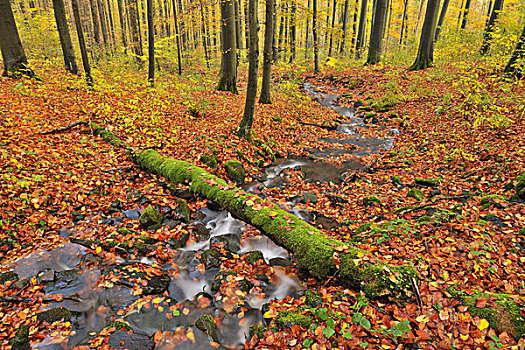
[(460, 128)]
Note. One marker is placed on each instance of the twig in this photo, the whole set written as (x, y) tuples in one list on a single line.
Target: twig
[(60, 130), (416, 291)]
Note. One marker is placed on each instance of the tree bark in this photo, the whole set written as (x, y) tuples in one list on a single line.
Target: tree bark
[(513, 69), (245, 128), (316, 42), (82, 43), (343, 25), (425, 54), (465, 14), (265, 97), (362, 29), (13, 54), (65, 39), (94, 18), (228, 78), (151, 44), (136, 44), (378, 29), (177, 38), (491, 25), (203, 34), (441, 19), (122, 24), (238, 30), (293, 30), (306, 36), (103, 24), (404, 19), (332, 29)]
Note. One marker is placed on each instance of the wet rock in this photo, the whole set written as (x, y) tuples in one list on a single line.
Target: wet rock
[(210, 161), (211, 258), (287, 319), (206, 324), (132, 214), (20, 284), (46, 276), (231, 241), (308, 197), (112, 221), (202, 233), (21, 339), (65, 232), (336, 199), (143, 200), (492, 218), (77, 216), (8, 276), (179, 243), (326, 222), (312, 298), (221, 278), (235, 171), (278, 261), (115, 207), (150, 218), (54, 314), (435, 193), (182, 212), (416, 193), (253, 257), (123, 340), (183, 193), (358, 104), (149, 320), (131, 275), (214, 206)]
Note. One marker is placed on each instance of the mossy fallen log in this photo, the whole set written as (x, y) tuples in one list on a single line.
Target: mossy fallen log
[(500, 310), (315, 252), (323, 257)]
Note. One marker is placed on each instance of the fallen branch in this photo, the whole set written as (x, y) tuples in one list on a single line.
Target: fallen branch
[(64, 129), (327, 127)]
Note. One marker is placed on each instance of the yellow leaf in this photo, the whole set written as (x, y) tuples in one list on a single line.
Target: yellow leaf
[(191, 336), (483, 323), (422, 318), (98, 250), (463, 336)]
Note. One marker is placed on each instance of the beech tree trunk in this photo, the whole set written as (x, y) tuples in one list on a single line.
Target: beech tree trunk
[(316, 41), (94, 18), (177, 37), (306, 36), (245, 128), (238, 31), (343, 25), (465, 14), (361, 29), (203, 34), (491, 25), (136, 44), (441, 19), (121, 17), (513, 69), (82, 43), (228, 77), (404, 19), (103, 24), (13, 54), (425, 53), (332, 29), (151, 44), (268, 53), (65, 39), (293, 30), (378, 30)]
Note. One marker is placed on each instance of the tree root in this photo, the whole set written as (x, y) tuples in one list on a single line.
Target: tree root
[(64, 129)]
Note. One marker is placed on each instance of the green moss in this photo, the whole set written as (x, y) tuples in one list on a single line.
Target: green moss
[(121, 325), (506, 315), (254, 256), (286, 319), (482, 223), (425, 219), (258, 331), (210, 161), (487, 201), (371, 201), (126, 231), (21, 339), (520, 186), (521, 232), (363, 228), (428, 182), (396, 180), (150, 218), (8, 276), (235, 171), (416, 193), (312, 298), (183, 209), (54, 314), (206, 324)]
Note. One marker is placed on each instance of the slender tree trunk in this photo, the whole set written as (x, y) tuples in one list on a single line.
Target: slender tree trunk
[(228, 78), (293, 30), (489, 29), (246, 25), (354, 25), (362, 29), (513, 69), (182, 29), (13, 54), (82, 43), (425, 54), (275, 49), (151, 43), (404, 18), (489, 12), (203, 25), (460, 14), (441, 19), (245, 128), (343, 26), (419, 17), (307, 26), (281, 33), (316, 42), (238, 31), (332, 29), (177, 37), (214, 29), (121, 17), (268, 54), (94, 16), (136, 44), (103, 24), (378, 29), (111, 25), (465, 14), (65, 39), (388, 18)]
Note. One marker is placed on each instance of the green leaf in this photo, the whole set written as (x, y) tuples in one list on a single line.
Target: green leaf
[(308, 342), (328, 332)]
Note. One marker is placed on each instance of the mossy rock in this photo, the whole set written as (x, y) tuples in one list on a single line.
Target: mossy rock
[(257, 330), (221, 278), (150, 218), (504, 314), (416, 193), (363, 228), (286, 319), (124, 231), (371, 201), (210, 161), (396, 180), (54, 314), (488, 201), (235, 171), (183, 211), (206, 324), (121, 325), (253, 257), (8, 276), (21, 339), (312, 298), (427, 182), (520, 186)]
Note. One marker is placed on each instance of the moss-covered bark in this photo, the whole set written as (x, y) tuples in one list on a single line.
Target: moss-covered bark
[(501, 311)]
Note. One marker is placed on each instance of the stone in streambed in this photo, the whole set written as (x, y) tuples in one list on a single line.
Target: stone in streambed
[(54, 314), (123, 340), (8, 276), (235, 171), (21, 339), (206, 324), (150, 217), (231, 241)]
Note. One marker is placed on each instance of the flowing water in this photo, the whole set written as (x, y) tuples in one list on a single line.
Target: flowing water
[(75, 273)]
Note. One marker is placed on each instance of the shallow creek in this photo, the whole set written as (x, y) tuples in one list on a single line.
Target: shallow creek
[(74, 272)]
